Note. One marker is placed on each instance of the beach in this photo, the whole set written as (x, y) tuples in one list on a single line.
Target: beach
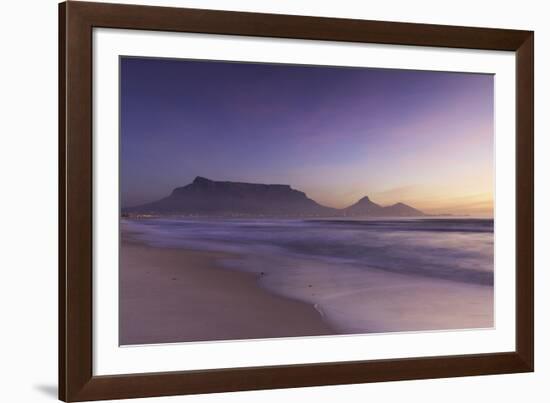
[(187, 280), (173, 295)]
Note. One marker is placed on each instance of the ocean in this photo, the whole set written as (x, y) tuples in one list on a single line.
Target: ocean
[(363, 276)]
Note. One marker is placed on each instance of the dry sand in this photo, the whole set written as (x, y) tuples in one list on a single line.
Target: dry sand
[(174, 295)]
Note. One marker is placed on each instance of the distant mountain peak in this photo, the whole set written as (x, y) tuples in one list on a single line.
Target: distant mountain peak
[(365, 207), (402, 210), (364, 200)]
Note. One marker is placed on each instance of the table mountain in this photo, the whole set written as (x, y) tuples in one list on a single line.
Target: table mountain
[(207, 197)]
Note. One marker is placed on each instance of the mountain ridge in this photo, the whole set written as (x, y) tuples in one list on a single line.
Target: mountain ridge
[(206, 197)]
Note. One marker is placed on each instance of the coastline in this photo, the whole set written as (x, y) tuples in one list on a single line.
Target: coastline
[(195, 287), (176, 295)]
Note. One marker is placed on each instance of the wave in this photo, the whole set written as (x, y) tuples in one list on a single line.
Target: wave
[(451, 249), (362, 276)]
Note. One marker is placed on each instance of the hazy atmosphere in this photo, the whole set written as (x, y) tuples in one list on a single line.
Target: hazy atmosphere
[(337, 134)]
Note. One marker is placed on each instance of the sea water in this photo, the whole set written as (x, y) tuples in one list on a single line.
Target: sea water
[(361, 275)]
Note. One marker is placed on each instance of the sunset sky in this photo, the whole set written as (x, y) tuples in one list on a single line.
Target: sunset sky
[(338, 134)]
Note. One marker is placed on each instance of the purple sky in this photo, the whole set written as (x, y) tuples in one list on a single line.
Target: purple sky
[(424, 138)]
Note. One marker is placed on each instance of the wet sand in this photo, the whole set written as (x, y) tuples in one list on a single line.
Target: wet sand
[(173, 295)]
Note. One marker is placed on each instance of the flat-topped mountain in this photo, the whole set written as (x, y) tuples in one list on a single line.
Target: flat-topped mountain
[(205, 197)]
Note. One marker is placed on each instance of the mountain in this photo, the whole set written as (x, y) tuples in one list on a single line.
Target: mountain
[(367, 208), (364, 207), (205, 197), (402, 210)]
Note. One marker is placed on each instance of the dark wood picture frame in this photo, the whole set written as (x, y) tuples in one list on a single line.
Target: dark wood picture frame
[(76, 22)]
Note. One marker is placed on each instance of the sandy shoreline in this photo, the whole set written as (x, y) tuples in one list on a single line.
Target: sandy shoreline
[(173, 295)]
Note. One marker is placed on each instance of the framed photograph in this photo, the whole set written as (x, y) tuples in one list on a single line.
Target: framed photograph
[(252, 201)]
